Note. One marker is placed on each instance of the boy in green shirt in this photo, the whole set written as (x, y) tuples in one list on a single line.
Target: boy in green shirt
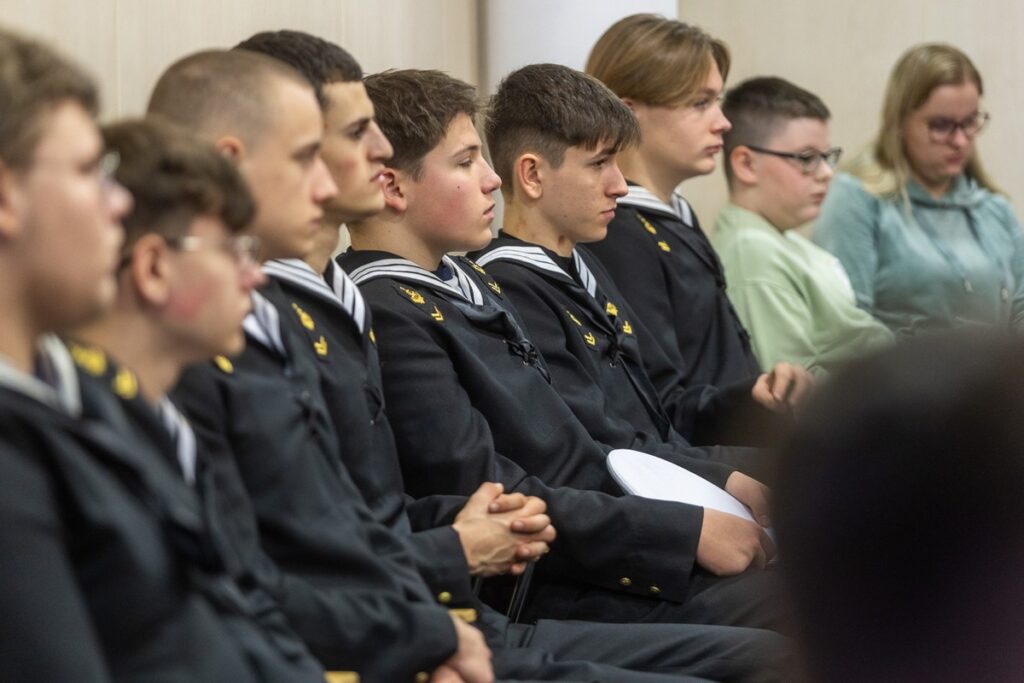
[(793, 296)]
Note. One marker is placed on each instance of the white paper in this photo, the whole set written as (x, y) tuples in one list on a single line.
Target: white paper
[(648, 476)]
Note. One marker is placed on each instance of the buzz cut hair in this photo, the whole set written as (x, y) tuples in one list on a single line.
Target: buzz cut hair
[(415, 108), (548, 108), (759, 108), (320, 61), (220, 92)]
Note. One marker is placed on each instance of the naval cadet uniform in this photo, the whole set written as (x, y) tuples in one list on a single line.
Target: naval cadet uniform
[(106, 570), (671, 277), (589, 338), (470, 400)]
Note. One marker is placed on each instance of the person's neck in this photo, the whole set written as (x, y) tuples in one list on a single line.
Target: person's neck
[(136, 342), (18, 333), (752, 202), (326, 243), (527, 224), (936, 188), (391, 234), (640, 170)]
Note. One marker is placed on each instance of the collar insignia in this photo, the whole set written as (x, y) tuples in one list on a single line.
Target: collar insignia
[(304, 318), (89, 358), (125, 384), (224, 364), (413, 295)]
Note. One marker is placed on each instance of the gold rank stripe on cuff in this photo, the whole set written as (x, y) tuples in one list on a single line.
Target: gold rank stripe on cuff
[(341, 677), (467, 614)]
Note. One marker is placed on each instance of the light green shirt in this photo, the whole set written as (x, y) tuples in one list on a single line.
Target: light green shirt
[(793, 296)]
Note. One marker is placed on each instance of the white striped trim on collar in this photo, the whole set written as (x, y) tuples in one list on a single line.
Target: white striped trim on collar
[(264, 325), (342, 291), (536, 256), (59, 387), (406, 270), (182, 435), (643, 198)]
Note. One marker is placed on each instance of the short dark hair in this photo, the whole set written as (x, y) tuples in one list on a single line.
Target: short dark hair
[(221, 90), (758, 108), (900, 514), (414, 109), (175, 177), (320, 61), (33, 81), (547, 108)]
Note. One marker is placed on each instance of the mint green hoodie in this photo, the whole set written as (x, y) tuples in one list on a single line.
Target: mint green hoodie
[(793, 296), (956, 261)]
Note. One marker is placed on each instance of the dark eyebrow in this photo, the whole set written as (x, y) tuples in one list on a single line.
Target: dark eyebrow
[(359, 123), (467, 148), (306, 151), (605, 152)]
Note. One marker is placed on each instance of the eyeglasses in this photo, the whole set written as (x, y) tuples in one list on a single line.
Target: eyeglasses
[(243, 248), (808, 161), (943, 129)]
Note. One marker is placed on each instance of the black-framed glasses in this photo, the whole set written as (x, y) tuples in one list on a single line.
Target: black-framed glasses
[(243, 248), (809, 161), (941, 129)]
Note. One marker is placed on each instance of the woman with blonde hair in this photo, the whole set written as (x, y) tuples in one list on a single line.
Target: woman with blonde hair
[(928, 240)]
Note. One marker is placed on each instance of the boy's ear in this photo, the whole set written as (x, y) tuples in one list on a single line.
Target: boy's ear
[(741, 160), (631, 103), (528, 175), (231, 147), (148, 270), (394, 196), (10, 203)]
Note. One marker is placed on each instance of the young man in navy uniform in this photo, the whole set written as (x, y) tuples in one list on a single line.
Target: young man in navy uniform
[(554, 134), (469, 396)]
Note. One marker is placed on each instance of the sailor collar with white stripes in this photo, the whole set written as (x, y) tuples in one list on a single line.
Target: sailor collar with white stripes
[(57, 382), (264, 325), (341, 291), (538, 258), (642, 198), (461, 286)]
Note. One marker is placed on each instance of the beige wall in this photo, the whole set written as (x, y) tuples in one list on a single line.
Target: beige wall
[(127, 43), (843, 51)]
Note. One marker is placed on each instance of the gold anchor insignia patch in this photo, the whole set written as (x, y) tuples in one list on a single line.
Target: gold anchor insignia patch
[(437, 315), (627, 328), (590, 339), (373, 337), (574, 318), (664, 245), (648, 227), (495, 287), (224, 364), (125, 384), (321, 346), (611, 309), (304, 318), (89, 359), (477, 268), (413, 295)]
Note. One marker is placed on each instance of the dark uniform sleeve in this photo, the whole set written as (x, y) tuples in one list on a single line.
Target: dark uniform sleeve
[(377, 633), (45, 630), (446, 447)]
